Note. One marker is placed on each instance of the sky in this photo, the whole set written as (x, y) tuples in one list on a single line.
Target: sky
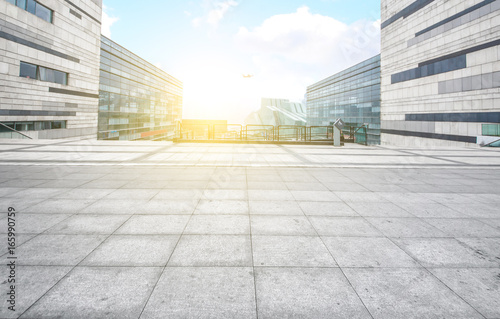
[(210, 44)]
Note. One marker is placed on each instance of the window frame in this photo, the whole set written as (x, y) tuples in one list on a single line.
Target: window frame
[(24, 5), (48, 74)]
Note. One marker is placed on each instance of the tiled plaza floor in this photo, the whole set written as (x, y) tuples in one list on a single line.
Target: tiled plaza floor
[(161, 230)]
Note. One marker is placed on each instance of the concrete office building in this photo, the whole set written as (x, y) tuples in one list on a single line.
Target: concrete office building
[(278, 112), (440, 71), (352, 95), (136, 99), (49, 67)]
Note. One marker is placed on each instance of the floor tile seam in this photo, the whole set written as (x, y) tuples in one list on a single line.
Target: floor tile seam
[(35, 235), (335, 261), (72, 269), (365, 218), (391, 239), (377, 268), (254, 274), (324, 165), (453, 291), (260, 234), (426, 269), (168, 261)]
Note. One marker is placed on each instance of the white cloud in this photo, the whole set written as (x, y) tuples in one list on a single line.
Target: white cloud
[(215, 12), (107, 21), (292, 51)]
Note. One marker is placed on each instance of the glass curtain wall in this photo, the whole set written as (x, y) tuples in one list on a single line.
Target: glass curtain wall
[(352, 95), (137, 101)]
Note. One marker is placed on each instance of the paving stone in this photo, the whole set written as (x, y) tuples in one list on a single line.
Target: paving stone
[(177, 194), (91, 292), (444, 252), (267, 185), (84, 193), (407, 293), (290, 251), (405, 227), (274, 208), (282, 195), (168, 207), (57, 250), (146, 194), (488, 248), (212, 251), (327, 209), (281, 225), (154, 225), (367, 252), (203, 293), (20, 239), (32, 282), (224, 194), (344, 227), (379, 210), (315, 196), (480, 287), (133, 251), (381, 221), (463, 227), (116, 206), (358, 197), (430, 210), (218, 225), (223, 207), (43, 193), (89, 224), (34, 223), (476, 210), (306, 293), (60, 206)]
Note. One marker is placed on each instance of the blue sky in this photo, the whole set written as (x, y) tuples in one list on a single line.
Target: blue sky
[(209, 44)]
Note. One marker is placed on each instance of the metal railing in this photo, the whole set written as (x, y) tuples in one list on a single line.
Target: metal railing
[(268, 133), (10, 133)]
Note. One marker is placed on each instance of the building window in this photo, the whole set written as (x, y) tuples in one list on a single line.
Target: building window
[(31, 71), (28, 70), (35, 8), (36, 126), (491, 129)]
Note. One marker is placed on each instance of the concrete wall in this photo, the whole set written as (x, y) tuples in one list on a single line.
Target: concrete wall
[(440, 69), (69, 44)]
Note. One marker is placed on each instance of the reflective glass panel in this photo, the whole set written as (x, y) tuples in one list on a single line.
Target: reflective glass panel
[(43, 12), (28, 70), (21, 4), (31, 7), (60, 77)]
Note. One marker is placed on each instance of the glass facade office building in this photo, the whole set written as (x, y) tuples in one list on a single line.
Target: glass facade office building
[(137, 101), (352, 95), (278, 112)]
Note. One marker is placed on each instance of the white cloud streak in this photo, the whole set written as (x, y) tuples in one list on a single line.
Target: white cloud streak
[(292, 51), (107, 21), (216, 10)]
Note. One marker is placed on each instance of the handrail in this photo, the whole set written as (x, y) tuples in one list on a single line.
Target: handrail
[(270, 133), (495, 141), (15, 131)]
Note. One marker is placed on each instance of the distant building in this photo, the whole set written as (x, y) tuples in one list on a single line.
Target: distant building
[(49, 68), (56, 83), (278, 112), (137, 101), (352, 95), (440, 72)]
